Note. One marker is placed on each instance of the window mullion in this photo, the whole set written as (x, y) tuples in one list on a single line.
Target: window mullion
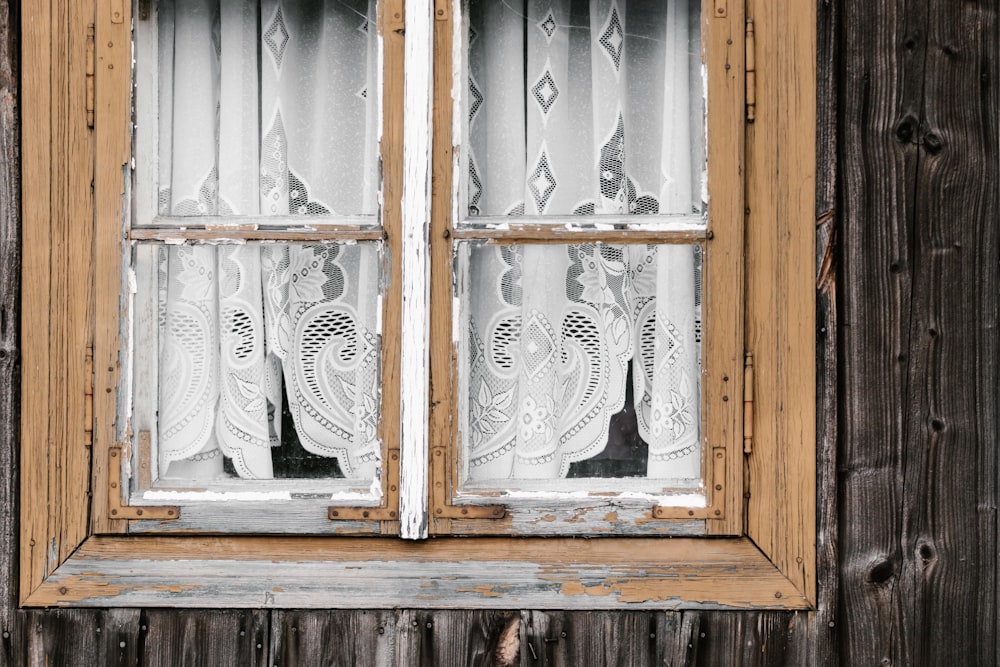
[(415, 269)]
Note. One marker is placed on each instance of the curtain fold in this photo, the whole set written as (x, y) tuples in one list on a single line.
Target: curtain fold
[(267, 108), (582, 107)]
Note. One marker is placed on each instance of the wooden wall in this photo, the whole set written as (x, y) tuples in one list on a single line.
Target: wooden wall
[(908, 266)]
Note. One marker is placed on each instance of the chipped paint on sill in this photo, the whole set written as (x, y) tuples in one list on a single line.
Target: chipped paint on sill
[(214, 496), (678, 500)]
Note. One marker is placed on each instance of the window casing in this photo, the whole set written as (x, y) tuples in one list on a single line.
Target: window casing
[(556, 506), (65, 579), (263, 269)]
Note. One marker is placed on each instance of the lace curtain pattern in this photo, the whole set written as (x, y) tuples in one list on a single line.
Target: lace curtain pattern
[(582, 107), (267, 108)]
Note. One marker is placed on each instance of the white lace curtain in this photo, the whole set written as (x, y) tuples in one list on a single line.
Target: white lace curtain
[(267, 108), (582, 107)]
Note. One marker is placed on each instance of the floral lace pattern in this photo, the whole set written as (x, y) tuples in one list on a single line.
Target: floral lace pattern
[(243, 329), (586, 114)]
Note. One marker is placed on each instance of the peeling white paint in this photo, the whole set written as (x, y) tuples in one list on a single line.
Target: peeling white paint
[(673, 500), (214, 496), (415, 270), (375, 489)]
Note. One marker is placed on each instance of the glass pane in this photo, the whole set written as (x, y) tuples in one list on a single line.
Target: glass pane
[(267, 108), (259, 361), (580, 361), (585, 107)]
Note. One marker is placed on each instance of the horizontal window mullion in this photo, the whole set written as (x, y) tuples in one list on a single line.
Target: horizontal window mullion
[(259, 228), (684, 229)]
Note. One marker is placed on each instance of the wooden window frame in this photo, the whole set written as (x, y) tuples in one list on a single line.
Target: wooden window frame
[(70, 552), (602, 512)]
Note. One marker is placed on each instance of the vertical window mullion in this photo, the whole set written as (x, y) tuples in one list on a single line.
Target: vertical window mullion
[(415, 269)]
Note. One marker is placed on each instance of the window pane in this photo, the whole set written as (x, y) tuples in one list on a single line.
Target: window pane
[(268, 108), (580, 361), (263, 360), (585, 107)]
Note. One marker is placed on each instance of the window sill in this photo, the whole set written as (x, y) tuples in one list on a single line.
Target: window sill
[(608, 573)]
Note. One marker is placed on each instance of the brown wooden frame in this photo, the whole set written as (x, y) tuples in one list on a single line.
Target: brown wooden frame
[(70, 300), (722, 376)]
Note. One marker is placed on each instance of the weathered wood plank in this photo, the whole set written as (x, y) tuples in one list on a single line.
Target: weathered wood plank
[(10, 253), (594, 638), (884, 44), (334, 638), (948, 532), (57, 155), (814, 641), (415, 259), (344, 572), (113, 72), (749, 639), (184, 638), (920, 420), (781, 508), (456, 638), (82, 637), (680, 638)]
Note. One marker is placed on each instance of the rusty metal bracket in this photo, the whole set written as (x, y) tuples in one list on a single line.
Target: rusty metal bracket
[(442, 508), (716, 509), (388, 511), (118, 509)]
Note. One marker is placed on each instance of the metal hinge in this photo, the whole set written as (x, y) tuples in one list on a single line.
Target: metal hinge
[(748, 403), (751, 73), (88, 397), (90, 69)]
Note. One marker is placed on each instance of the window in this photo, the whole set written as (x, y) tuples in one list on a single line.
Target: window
[(263, 269), (522, 347), (578, 231)]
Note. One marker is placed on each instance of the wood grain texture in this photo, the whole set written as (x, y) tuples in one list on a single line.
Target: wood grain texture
[(10, 264), (457, 638), (113, 74), (82, 637), (57, 215), (815, 640), (217, 638), (542, 573), (725, 261), (781, 305), (579, 637), (752, 639), (918, 334), (332, 638), (899, 487)]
